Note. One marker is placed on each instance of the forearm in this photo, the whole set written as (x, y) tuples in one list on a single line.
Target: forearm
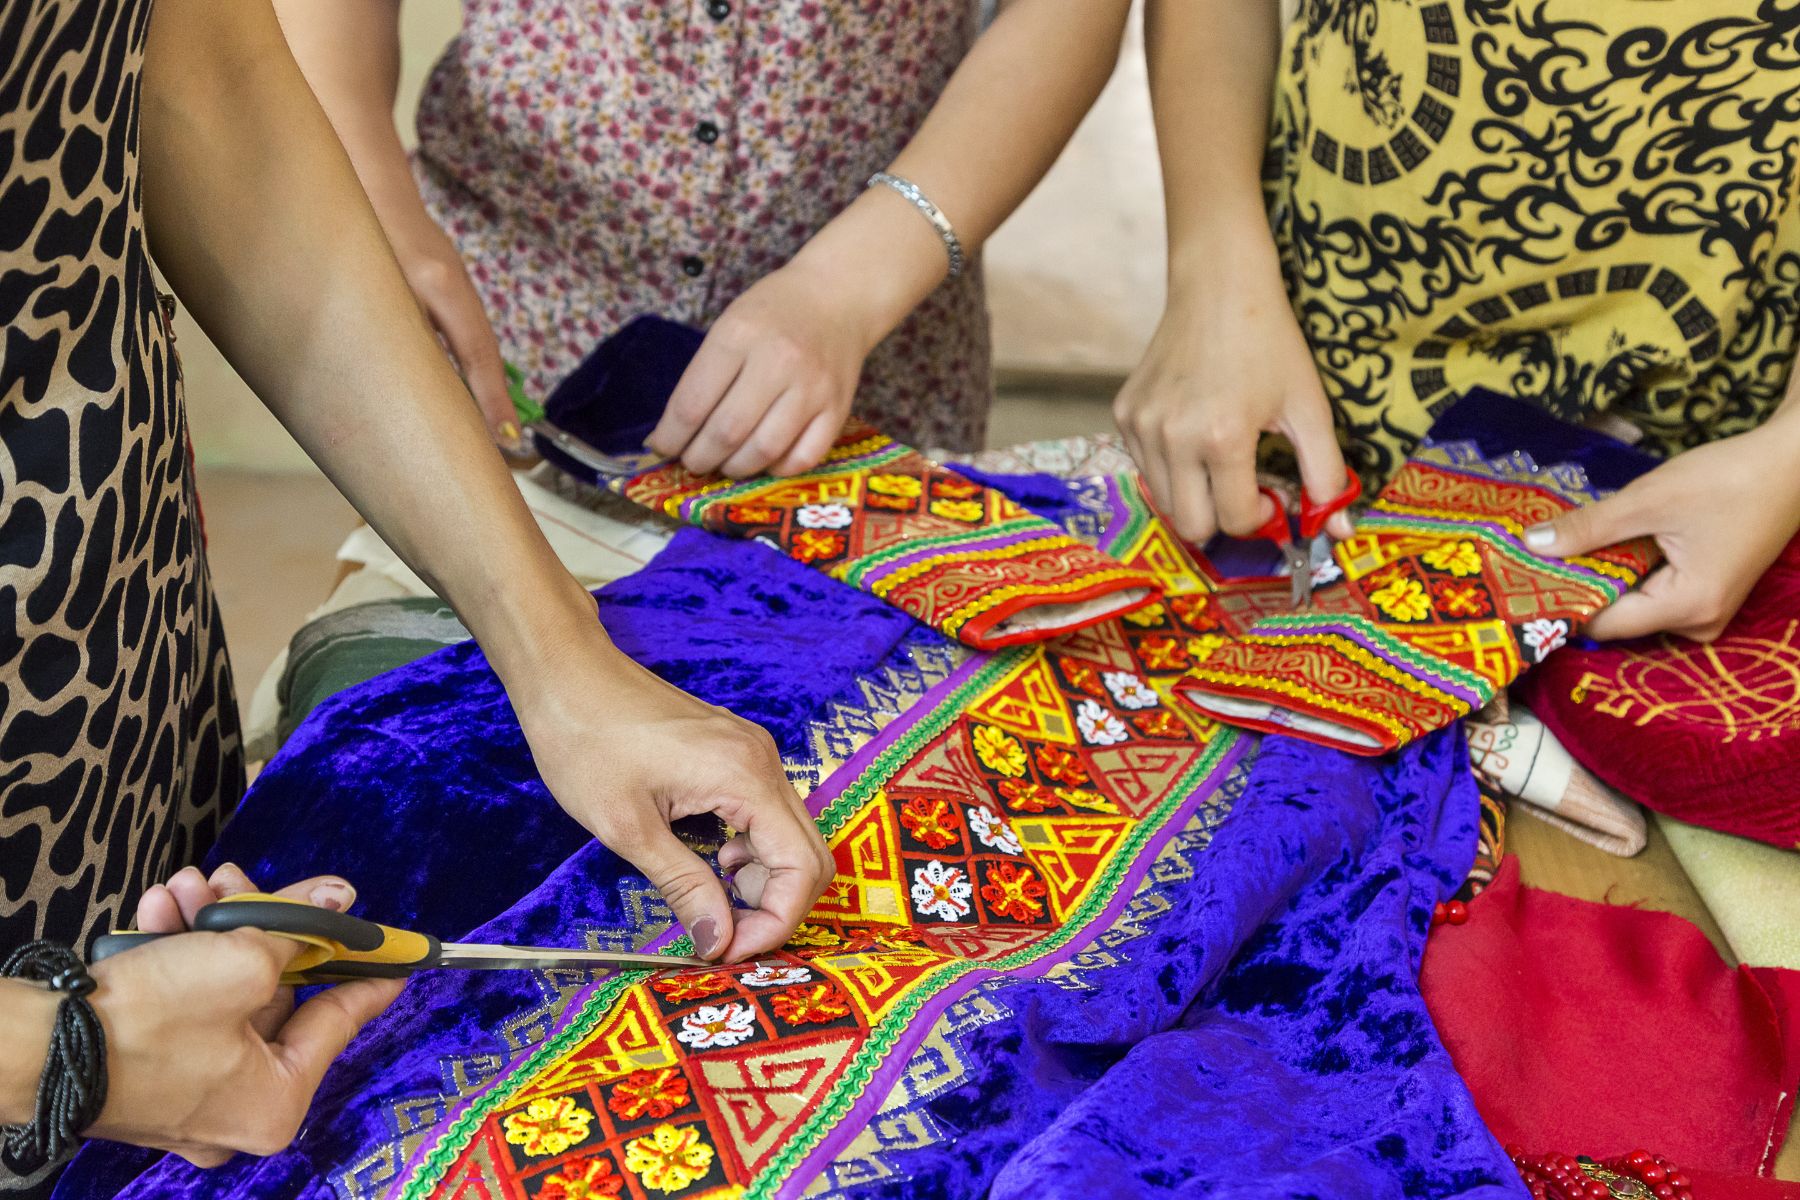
[(349, 53), (1002, 120), (27, 1014), (257, 221), (1212, 71)]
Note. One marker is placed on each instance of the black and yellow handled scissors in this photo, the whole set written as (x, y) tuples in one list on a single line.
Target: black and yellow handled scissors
[(338, 946)]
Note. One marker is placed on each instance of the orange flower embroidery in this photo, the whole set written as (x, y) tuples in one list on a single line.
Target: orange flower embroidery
[(753, 514), (1195, 611), (1061, 765), (955, 488), (1081, 675), (810, 1006), (688, 986), (898, 503), (1159, 724), (1027, 797), (1455, 599), (1013, 892), (930, 821), (648, 1093), (811, 545), (593, 1179), (1161, 653)]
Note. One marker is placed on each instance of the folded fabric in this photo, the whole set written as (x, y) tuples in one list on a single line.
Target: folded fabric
[(1516, 755), (1052, 886), (879, 516), (1435, 604), (1709, 734), (1601, 1029)]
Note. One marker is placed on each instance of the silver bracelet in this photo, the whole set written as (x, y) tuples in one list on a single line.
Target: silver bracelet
[(934, 214)]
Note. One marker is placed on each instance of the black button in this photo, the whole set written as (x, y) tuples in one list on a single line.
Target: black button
[(707, 132), (692, 265), (718, 10)]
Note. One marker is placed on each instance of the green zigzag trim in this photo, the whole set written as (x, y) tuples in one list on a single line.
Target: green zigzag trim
[(1376, 521), (947, 542), (1390, 646), (848, 466)]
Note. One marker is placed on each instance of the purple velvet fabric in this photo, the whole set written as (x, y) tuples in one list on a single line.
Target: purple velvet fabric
[(1262, 1036)]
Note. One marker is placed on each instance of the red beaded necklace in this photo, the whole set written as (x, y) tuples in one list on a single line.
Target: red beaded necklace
[(1635, 1176)]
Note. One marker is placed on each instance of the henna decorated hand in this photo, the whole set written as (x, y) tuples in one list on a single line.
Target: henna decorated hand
[(1721, 513)]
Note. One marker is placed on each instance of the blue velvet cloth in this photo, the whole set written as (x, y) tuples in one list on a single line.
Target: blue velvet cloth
[(1262, 1036)]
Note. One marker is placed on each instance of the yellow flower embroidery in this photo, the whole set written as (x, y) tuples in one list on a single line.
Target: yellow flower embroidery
[(668, 1159), (1458, 558), (1402, 599), (895, 485), (999, 751), (1146, 616), (547, 1126), (1201, 648), (813, 935), (958, 510)]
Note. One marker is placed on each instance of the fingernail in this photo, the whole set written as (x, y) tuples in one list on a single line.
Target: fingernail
[(706, 937), (1540, 537), (509, 431), (338, 897)]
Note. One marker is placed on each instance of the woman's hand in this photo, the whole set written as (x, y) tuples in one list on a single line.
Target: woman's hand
[(1224, 368), (1720, 513), (626, 754), (770, 387), (206, 1053)]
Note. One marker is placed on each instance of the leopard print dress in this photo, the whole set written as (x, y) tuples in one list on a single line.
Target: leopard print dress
[(119, 747)]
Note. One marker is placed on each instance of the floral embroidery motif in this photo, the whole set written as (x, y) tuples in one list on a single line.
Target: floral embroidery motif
[(1461, 559), (958, 510), (1162, 653), (992, 831), (1402, 599), (810, 545), (1149, 616), (1061, 766), (1201, 648), (1326, 572), (688, 986), (1159, 724), (906, 486), (717, 1025), (814, 1005), (648, 1094), (1014, 893), (1128, 691), (1456, 599), (1544, 635), (813, 935), (942, 891), (999, 751), (929, 820), (776, 975), (593, 1179), (1099, 727), (548, 1126), (824, 516), (1027, 797), (668, 1158)]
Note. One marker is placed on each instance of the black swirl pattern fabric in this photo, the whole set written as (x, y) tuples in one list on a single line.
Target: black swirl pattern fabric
[(1584, 203)]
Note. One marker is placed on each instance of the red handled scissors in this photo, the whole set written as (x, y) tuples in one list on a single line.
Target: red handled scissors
[(1301, 554)]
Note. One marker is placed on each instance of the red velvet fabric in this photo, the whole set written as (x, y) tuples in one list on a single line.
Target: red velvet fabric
[(1598, 1029), (1707, 734)]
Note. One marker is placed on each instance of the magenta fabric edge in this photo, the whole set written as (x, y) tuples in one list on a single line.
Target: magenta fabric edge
[(881, 1081)]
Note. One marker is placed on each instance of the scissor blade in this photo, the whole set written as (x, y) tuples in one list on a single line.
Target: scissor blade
[(475, 957), (1299, 576), (619, 466)]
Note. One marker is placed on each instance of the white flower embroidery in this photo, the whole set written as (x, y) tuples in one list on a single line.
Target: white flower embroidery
[(1128, 691), (992, 831), (776, 976), (940, 890), (717, 1025), (1544, 635), (1326, 572), (1098, 727), (823, 516)]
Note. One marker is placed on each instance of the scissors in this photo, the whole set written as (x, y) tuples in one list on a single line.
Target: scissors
[(337, 946), (1312, 520), (604, 465)]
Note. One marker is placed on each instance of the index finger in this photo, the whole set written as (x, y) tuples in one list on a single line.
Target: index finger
[(707, 378)]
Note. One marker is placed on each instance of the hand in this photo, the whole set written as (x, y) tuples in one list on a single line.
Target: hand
[(1721, 513), (1220, 372), (206, 1054), (772, 383), (439, 281), (626, 754)]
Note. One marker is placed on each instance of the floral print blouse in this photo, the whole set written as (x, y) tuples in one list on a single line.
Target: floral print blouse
[(597, 159)]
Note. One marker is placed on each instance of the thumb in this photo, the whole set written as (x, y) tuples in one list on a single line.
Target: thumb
[(1589, 528), (689, 886)]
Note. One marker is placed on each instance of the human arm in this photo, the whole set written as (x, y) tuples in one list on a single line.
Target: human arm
[(206, 1054), (349, 51), (772, 383), (1720, 514), (1228, 361), (260, 226)]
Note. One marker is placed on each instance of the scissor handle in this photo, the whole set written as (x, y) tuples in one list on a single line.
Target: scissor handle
[(336, 946), (1275, 529), (1313, 516)]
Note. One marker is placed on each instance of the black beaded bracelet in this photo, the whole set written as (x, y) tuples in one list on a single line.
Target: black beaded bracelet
[(72, 1089)]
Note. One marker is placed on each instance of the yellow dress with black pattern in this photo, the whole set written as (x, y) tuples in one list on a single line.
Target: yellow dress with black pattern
[(1583, 203)]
